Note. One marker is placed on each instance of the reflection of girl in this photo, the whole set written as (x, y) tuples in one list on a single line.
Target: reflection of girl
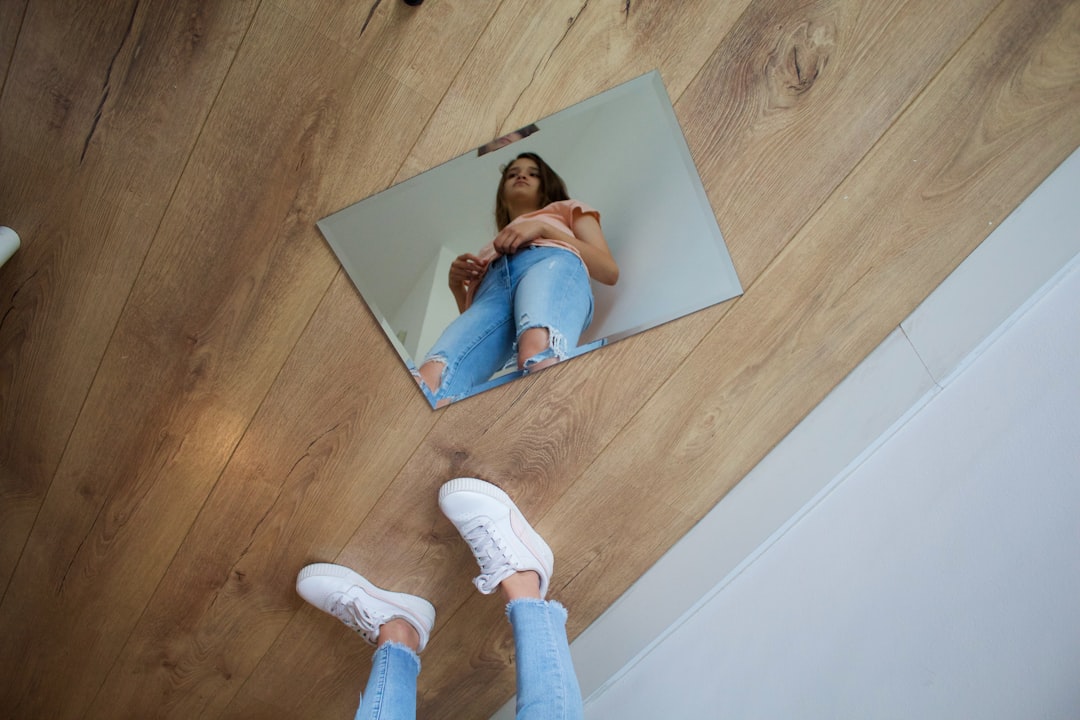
[(525, 291)]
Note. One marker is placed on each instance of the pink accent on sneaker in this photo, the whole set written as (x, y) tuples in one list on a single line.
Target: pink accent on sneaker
[(502, 540)]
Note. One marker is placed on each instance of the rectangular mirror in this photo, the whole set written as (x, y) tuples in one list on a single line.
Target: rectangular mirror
[(621, 152)]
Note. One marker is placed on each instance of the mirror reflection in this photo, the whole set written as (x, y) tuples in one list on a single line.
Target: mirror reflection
[(554, 240)]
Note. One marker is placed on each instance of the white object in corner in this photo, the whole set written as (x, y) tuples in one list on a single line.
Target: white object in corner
[(9, 243)]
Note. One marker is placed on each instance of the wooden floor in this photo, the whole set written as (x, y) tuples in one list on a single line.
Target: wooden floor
[(194, 401)]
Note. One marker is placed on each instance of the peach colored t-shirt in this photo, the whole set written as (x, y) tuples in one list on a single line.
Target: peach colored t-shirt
[(560, 214)]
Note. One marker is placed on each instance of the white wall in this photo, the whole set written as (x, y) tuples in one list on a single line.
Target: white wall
[(408, 318), (939, 579), (441, 308), (910, 549)]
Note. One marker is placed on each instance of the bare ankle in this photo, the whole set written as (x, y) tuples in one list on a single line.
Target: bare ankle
[(521, 585), (401, 632)]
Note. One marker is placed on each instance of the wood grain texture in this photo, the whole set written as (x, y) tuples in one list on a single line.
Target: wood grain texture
[(532, 50), (421, 48), (11, 15), (195, 402), (222, 297), (286, 498), (809, 86), (95, 136)]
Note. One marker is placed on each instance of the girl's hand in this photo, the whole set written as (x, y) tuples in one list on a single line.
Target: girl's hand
[(517, 236), (465, 270)]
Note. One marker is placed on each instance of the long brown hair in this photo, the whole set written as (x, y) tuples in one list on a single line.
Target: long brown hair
[(552, 188)]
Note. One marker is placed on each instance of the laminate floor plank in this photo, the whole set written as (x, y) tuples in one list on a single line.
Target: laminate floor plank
[(11, 15), (570, 51), (850, 68), (400, 40), (230, 282), (94, 135), (330, 436)]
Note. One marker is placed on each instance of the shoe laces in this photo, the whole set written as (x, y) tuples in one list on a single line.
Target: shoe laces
[(490, 550), (358, 618)]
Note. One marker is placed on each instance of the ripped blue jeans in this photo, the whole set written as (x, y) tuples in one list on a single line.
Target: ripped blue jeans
[(537, 287), (547, 686)]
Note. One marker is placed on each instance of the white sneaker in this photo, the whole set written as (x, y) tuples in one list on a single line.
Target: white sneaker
[(500, 537), (353, 600)]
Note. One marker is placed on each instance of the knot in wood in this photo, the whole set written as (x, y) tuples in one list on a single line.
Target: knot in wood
[(797, 61)]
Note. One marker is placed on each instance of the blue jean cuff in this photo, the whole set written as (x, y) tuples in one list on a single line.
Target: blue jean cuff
[(392, 646), (554, 604)]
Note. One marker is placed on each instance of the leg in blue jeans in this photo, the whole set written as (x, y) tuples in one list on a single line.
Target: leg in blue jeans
[(513, 559), (391, 687), (553, 305), (398, 624), (547, 688), (516, 561), (533, 304)]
